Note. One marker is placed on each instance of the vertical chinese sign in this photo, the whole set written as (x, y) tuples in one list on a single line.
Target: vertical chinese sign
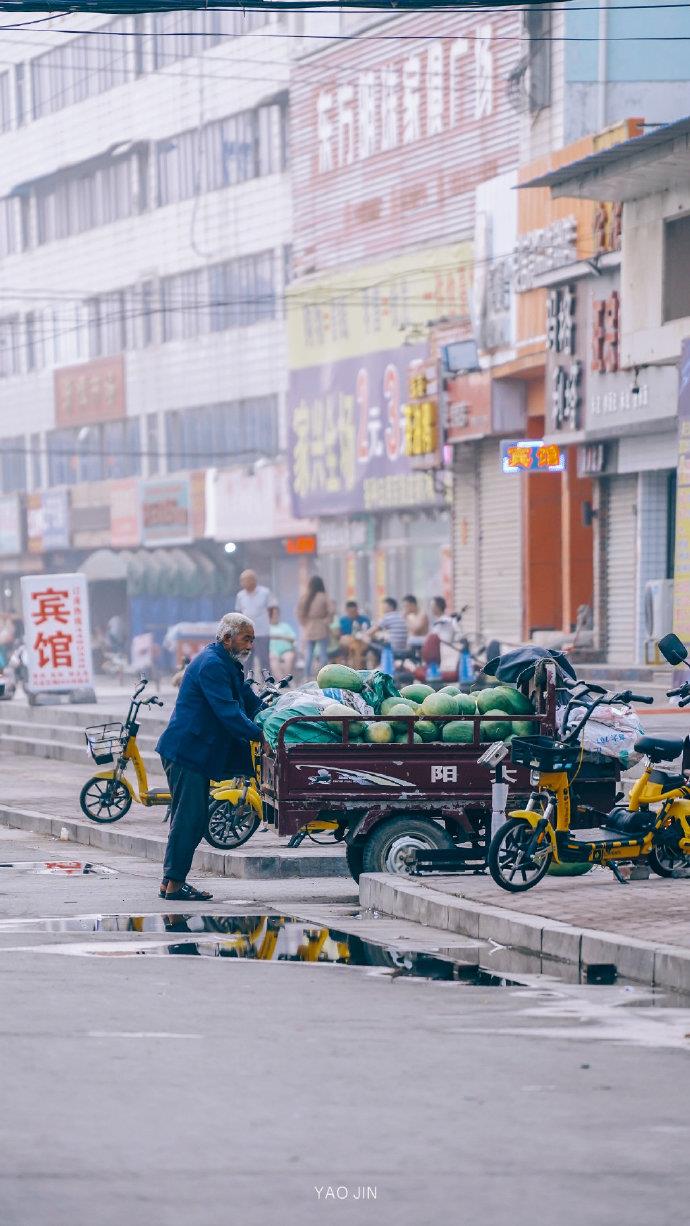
[(681, 582), (58, 639)]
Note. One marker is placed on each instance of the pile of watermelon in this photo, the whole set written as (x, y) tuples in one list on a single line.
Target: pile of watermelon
[(506, 705)]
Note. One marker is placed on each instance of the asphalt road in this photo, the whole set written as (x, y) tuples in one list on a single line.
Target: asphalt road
[(191, 1091)]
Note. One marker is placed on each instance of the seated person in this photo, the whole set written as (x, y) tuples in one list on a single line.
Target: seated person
[(352, 640), (282, 645)]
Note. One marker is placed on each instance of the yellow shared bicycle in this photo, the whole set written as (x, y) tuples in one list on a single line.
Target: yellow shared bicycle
[(655, 825), (235, 808)]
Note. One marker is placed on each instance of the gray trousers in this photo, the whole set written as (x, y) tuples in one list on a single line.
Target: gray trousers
[(188, 818)]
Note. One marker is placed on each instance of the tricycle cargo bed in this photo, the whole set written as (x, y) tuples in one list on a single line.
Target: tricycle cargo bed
[(343, 779)]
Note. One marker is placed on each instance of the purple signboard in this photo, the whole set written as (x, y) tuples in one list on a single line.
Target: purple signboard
[(347, 437)]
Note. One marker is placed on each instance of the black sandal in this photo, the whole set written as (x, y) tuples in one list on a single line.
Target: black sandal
[(163, 888), (187, 893)]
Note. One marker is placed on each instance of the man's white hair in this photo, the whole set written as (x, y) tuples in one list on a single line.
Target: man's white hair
[(231, 624)]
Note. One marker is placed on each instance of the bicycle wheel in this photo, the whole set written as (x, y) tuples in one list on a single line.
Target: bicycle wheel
[(511, 864), (230, 825), (105, 800)]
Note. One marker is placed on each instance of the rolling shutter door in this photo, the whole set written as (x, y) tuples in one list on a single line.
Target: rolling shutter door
[(465, 486), (620, 568), (500, 549)]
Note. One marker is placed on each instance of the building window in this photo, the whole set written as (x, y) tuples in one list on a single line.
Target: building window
[(10, 363), (538, 27), (35, 458), (112, 449), (5, 103), (222, 153), (35, 340), (152, 448), (82, 199), (222, 434), (676, 287), (20, 93), (13, 464), (8, 226), (82, 68)]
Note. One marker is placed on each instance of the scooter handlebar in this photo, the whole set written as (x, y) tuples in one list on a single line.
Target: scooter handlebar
[(684, 701), (641, 698)]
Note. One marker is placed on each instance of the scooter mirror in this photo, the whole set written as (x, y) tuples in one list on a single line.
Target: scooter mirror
[(672, 649)]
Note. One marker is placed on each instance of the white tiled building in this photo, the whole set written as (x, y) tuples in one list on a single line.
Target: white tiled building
[(144, 219)]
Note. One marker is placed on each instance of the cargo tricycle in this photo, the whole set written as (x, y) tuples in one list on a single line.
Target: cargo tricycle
[(392, 803)]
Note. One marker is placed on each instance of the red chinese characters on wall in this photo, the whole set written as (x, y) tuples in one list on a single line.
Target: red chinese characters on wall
[(90, 393), (606, 323)]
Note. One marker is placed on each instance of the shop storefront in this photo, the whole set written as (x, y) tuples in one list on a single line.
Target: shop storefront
[(364, 440), (629, 420)]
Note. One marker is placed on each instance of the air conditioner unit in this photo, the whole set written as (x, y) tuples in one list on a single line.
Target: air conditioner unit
[(658, 615)]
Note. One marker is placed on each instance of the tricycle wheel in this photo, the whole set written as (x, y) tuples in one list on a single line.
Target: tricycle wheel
[(512, 864), (104, 800), (353, 854), (385, 849), (230, 825)]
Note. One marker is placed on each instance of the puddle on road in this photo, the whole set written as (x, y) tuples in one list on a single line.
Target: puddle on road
[(60, 868), (266, 938)]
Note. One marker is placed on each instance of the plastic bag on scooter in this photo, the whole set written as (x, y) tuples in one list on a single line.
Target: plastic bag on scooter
[(612, 733)]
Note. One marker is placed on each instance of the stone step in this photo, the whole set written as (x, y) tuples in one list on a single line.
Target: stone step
[(66, 734), (79, 717), (62, 751)]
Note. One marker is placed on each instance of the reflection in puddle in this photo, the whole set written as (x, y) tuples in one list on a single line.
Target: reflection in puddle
[(268, 938), (60, 868)]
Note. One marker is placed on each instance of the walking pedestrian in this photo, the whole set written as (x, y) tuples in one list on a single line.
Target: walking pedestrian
[(254, 601), (314, 616), (208, 737)]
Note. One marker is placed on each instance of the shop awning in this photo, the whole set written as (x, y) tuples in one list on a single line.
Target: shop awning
[(643, 166)]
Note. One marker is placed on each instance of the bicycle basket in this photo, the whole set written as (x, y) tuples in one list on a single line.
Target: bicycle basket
[(104, 741), (543, 753)]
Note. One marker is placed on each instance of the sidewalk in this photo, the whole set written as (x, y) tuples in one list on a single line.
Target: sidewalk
[(643, 927), (44, 796)]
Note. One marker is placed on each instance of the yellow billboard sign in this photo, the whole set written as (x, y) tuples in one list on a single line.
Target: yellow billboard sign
[(378, 306)]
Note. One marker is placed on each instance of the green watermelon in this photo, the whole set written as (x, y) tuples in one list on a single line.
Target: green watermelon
[(417, 692), (378, 733), (577, 869), (439, 704), (507, 698), (466, 704), (401, 738), (339, 708), (388, 704), (339, 677), (493, 699), (497, 729), (459, 732), (522, 727), (400, 708), (426, 729), (450, 689)]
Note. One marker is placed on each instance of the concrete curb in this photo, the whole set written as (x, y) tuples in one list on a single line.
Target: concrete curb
[(250, 864), (664, 966)]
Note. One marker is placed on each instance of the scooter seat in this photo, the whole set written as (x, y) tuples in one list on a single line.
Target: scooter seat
[(660, 748), (623, 821)]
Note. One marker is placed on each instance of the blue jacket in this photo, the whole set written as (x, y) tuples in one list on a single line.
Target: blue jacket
[(211, 726)]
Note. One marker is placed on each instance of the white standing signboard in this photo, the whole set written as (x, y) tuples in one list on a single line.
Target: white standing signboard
[(57, 634)]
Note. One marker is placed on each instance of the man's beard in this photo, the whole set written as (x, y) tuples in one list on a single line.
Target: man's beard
[(240, 656)]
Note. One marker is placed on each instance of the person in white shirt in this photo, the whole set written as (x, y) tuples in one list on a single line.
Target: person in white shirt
[(254, 601)]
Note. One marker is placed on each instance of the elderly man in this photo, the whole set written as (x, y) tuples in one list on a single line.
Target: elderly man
[(207, 738)]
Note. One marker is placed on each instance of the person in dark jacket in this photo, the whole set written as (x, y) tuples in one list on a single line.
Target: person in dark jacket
[(208, 737)]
